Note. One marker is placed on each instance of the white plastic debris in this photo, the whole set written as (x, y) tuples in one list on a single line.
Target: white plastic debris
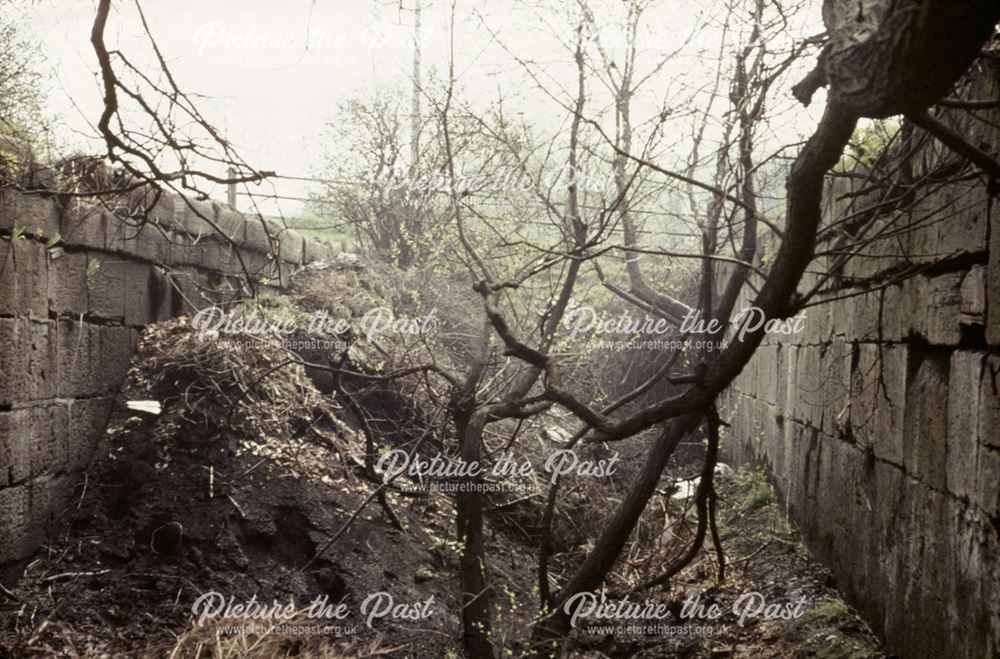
[(145, 406)]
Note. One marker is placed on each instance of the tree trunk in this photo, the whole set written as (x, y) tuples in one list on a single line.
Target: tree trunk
[(476, 595), (549, 632)]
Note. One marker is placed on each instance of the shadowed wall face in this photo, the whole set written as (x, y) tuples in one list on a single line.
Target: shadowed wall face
[(880, 423), (70, 318)]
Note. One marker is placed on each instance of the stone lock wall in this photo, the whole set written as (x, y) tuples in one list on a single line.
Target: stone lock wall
[(70, 316), (880, 423)]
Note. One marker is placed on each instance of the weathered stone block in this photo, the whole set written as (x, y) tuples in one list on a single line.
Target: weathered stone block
[(48, 499), (107, 279), (973, 309), (116, 355), (34, 214), (197, 215), (139, 301), (774, 440), (15, 458), (808, 382), (152, 205), (810, 463), (48, 429), (889, 252), (153, 245), (30, 263), (860, 325), (878, 400), (188, 286), (8, 209), (748, 376), (835, 388), (966, 228), (876, 316), (993, 288), (889, 504), (809, 467), (14, 521), (881, 253), (889, 309), (87, 420), (28, 360), (292, 246), (929, 576), (120, 232), (938, 323), (840, 318), (926, 423), (788, 401), (921, 237), (972, 538), (989, 403), (964, 538), (145, 240), (185, 249), (68, 291), (838, 498), (230, 259), (83, 226), (36, 340), (778, 374), (767, 373), (8, 281), (231, 224), (13, 362), (987, 494), (261, 236), (79, 358), (210, 254), (963, 420), (818, 328), (908, 560)]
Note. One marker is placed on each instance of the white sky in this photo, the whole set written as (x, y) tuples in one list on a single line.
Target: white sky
[(271, 95)]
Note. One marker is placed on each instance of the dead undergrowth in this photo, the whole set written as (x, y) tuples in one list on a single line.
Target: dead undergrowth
[(244, 473)]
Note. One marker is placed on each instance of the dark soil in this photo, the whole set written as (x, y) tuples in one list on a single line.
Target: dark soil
[(187, 502)]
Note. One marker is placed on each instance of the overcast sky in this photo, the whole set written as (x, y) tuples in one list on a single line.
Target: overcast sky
[(270, 73)]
